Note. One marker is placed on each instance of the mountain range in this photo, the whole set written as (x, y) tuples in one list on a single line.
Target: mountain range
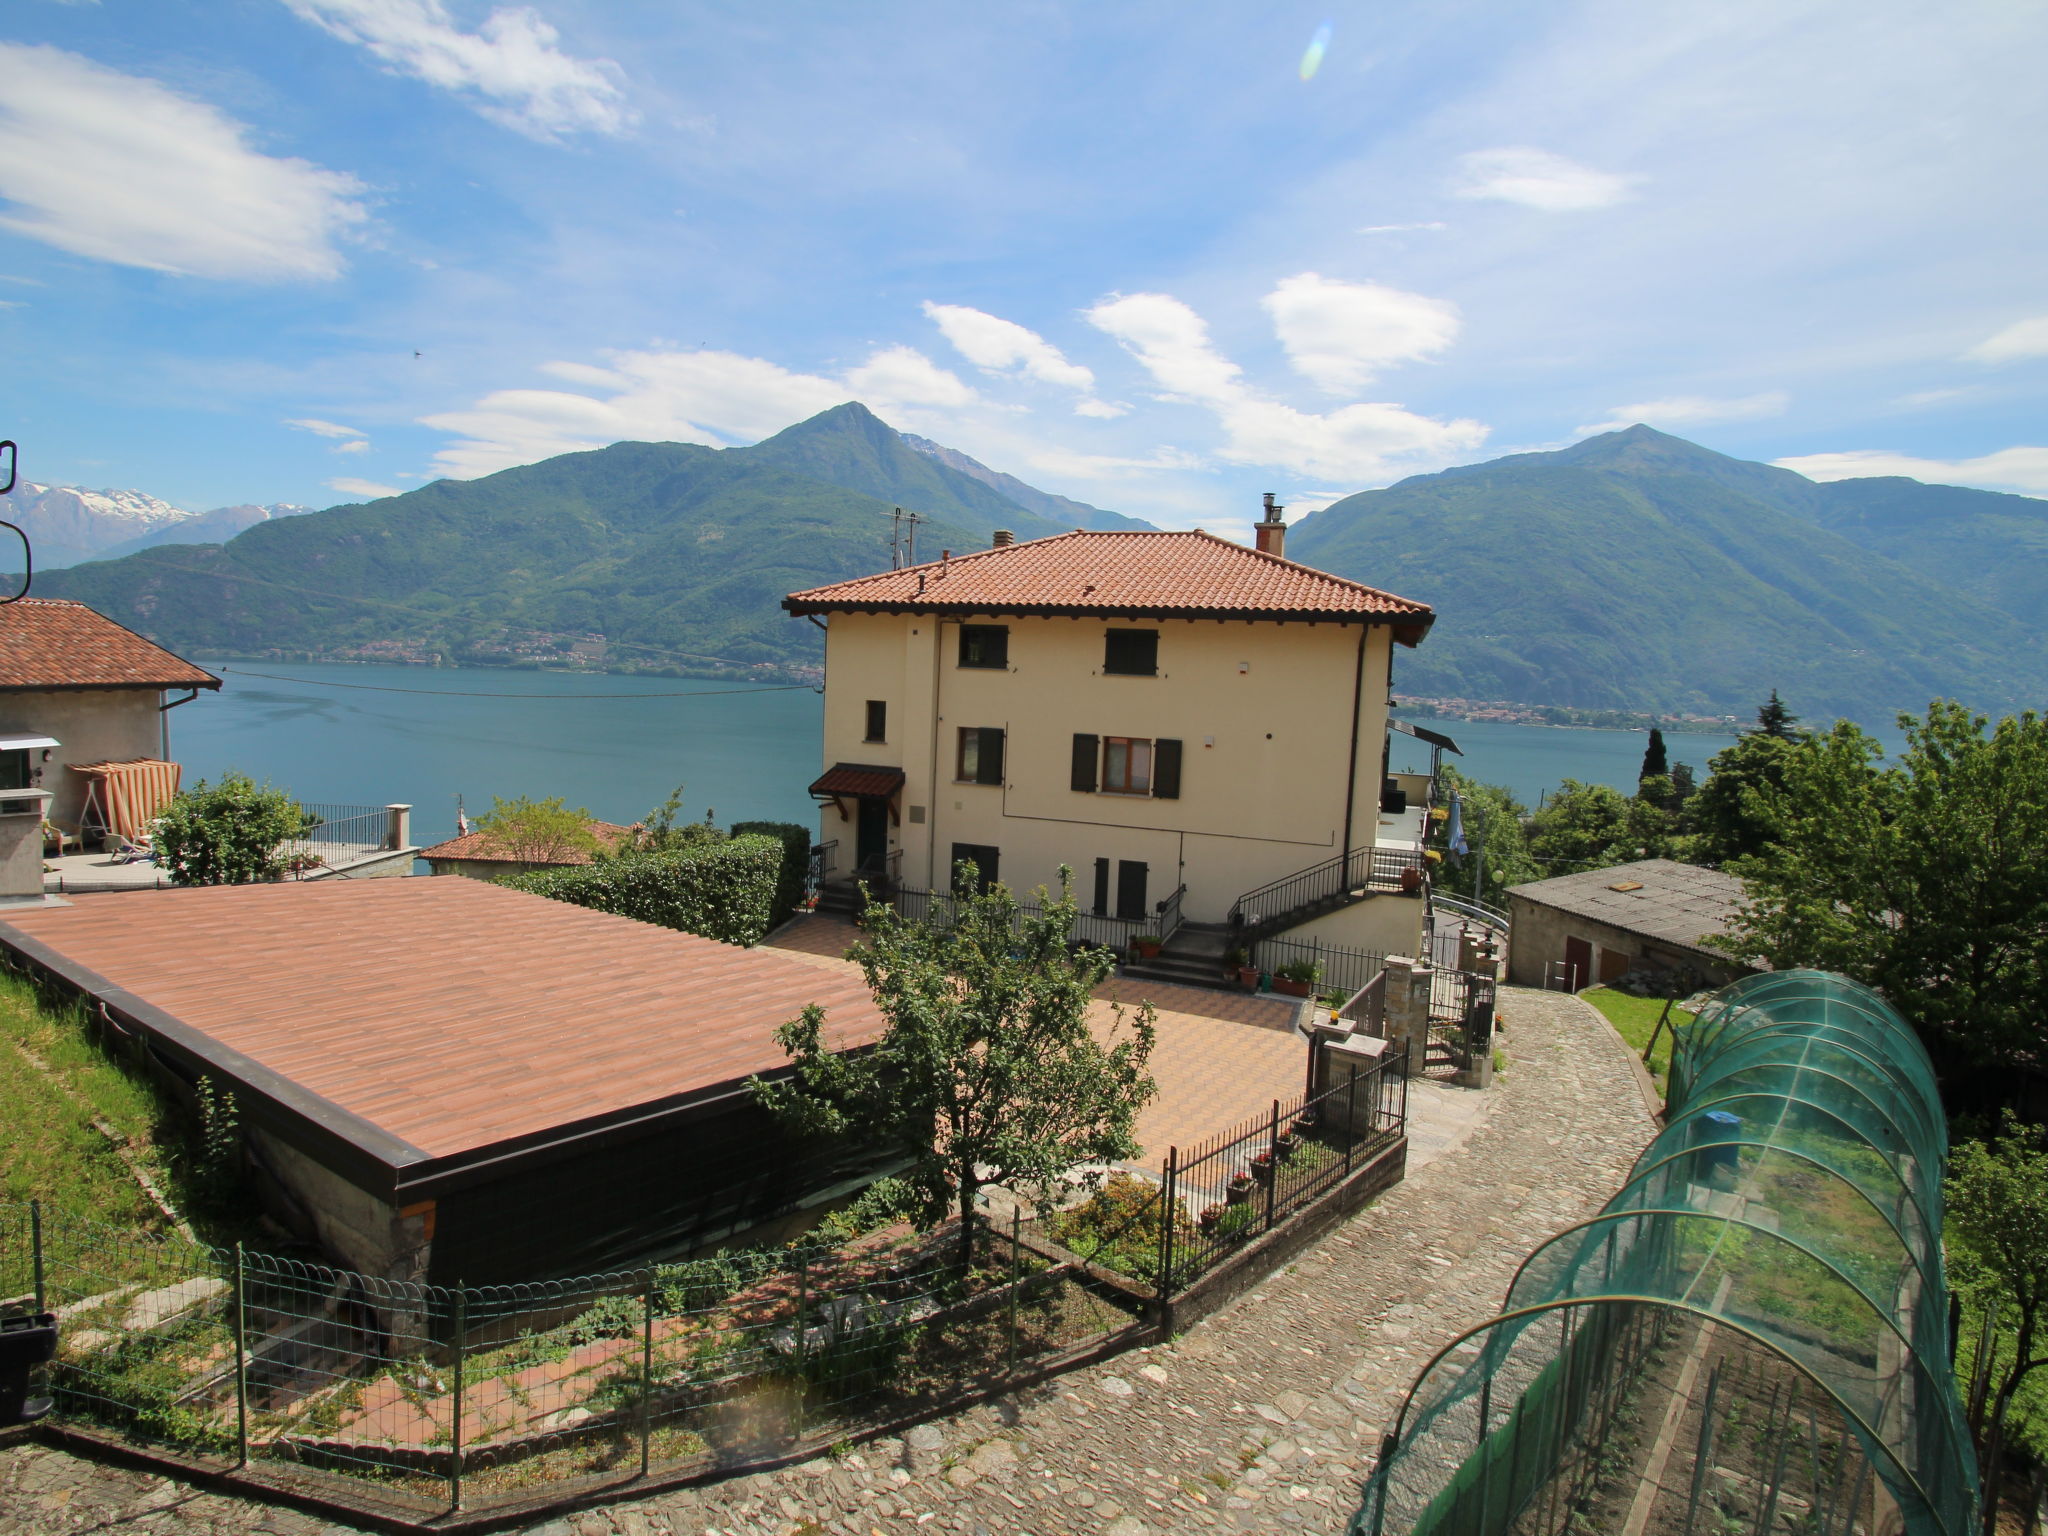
[(1632, 571), (1639, 571), (67, 524)]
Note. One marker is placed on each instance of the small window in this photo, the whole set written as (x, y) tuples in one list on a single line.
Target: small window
[(984, 860), (985, 645), (1126, 766), (878, 720), (981, 755), (1131, 653)]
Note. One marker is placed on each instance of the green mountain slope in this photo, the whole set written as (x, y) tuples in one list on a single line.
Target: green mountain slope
[(658, 547), (1991, 546), (1638, 571), (1062, 510)]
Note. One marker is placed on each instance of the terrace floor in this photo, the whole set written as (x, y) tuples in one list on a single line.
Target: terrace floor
[(99, 871)]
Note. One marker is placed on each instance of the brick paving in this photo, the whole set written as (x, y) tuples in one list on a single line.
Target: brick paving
[(1261, 1418)]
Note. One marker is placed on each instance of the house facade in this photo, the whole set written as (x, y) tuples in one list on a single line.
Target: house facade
[(1182, 721)]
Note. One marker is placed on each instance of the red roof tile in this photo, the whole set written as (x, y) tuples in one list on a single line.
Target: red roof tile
[(451, 1014), (858, 779), (1130, 573), (484, 848), (54, 643)]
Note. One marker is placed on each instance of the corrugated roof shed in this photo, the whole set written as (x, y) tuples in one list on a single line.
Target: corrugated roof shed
[(1663, 899)]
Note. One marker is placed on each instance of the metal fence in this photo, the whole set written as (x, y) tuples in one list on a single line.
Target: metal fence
[(421, 1399), (337, 834), (1097, 929), (1343, 970), (1273, 907)]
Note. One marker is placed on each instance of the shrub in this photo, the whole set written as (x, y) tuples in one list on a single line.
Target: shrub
[(882, 1202), (796, 863), (724, 891), (1119, 1226), (226, 833), (1300, 970)]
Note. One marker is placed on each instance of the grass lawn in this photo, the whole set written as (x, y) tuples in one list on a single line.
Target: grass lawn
[(1633, 1018)]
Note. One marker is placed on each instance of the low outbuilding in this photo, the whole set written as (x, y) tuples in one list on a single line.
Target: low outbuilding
[(1651, 917), (451, 1081)]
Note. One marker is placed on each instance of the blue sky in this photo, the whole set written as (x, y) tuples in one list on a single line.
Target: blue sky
[(1141, 254)]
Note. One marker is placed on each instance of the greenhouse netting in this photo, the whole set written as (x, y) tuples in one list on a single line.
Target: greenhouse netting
[(1752, 1334)]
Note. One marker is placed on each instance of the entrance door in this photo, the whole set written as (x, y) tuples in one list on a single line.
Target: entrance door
[(1130, 891), (1578, 960), (871, 838)]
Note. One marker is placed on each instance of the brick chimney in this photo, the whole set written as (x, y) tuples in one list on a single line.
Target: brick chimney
[(1004, 536), (1272, 533)]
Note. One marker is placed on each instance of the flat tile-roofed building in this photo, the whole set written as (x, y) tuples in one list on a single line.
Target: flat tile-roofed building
[(1180, 720), (1598, 925), (447, 1079)]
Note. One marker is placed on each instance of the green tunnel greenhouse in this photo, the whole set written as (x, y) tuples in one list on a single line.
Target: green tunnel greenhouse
[(1752, 1334)]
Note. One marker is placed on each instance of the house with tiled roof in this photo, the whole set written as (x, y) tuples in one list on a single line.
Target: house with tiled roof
[(482, 855), (77, 690), (1196, 728)]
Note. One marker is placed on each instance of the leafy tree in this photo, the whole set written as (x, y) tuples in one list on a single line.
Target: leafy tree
[(1924, 878), (988, 1072), (227, 833), (1656, 760), (1733, 814), (1589, 826), (1774, 719), (1493, 825), (1683, 788), (662, 830), (1996, 1223), (538, 831)]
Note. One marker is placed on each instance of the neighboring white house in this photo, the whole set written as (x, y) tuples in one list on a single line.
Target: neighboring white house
[(1197, 729)]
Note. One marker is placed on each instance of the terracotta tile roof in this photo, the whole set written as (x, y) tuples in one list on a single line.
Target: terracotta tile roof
[(1129, 573), (858, 779), (451, 1014), (54, 643), (483, 848)]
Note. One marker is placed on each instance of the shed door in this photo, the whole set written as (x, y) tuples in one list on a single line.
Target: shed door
[(1614, 964), (1578, 959)]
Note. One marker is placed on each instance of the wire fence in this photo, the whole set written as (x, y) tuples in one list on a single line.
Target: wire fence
[(427, 1398)]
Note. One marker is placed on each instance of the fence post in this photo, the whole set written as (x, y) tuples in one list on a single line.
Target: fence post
[(1016, 1264), (1273, 1165), (1350, 1118), (647, 1375), (35, 1241), (455, 1448), (1170, 1195), (241, 1366), (803, 1298)]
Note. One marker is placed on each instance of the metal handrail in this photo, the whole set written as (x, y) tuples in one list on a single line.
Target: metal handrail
[(1478, 911), (1362, 869), (1170, 917)]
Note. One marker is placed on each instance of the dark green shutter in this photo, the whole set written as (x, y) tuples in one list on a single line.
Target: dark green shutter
[(988, 766), (1102, 887), (1165, 770), (1086, 750)]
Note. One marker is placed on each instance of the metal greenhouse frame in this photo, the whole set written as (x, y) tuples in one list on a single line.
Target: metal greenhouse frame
[(1751, 1336)]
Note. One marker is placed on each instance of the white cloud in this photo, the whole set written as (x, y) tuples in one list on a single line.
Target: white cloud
[(1536, 178), (1690, 411), (1921, 399), (510, 67), (360, 445), (1103, 466), (1005, 348), (119, 168), (2024, 469), (1353, 442), (1397, 229), (2021, 339), (1342, 334), (321, 428), (714, 398), (905, 376), (369, 490)]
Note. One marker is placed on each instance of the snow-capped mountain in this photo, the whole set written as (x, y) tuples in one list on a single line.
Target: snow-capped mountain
[(68, 524)]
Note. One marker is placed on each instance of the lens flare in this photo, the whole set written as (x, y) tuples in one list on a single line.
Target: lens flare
[(1312, 58)]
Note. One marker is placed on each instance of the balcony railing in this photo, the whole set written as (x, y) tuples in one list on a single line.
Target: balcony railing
[(1273, 907)]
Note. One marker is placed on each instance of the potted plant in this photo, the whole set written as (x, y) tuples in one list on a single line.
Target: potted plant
[(1211, 1214), (1411, 880), (1262, 1166), (1285, 1143), (1304, 1123), (1236, 1224), (1238, 967), (1239, 1189), (1297, 978), (1145, 945)]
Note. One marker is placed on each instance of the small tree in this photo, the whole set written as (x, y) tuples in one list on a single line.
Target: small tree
[(988, 1072), (1997, 1241), (1493, 822), (1734, 814), (664, 831), (227, 833), (1656, 760), (1774, 719), (538, 831)]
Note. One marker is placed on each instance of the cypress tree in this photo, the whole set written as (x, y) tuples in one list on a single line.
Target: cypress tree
[(1656, 761)]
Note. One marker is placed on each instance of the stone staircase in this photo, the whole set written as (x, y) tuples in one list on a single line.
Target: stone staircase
[(1193, 957)]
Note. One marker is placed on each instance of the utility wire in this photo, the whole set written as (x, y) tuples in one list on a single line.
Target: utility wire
[(453, 693)]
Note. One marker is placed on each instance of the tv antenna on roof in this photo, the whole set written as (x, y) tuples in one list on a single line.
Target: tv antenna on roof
[(903, 537)]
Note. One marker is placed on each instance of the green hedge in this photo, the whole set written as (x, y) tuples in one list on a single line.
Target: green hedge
[(726, 891), (796, 862)]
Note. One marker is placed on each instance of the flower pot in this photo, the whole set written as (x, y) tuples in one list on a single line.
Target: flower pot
[(1290, 988), (1145, 948), (1262, 1168), (1304, 1122), (1248, 977), (1285, 1143), (1411, 880), (1239, 1189), (1209, 1217)]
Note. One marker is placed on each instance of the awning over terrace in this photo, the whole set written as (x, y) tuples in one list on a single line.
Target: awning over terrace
[(125, 797)]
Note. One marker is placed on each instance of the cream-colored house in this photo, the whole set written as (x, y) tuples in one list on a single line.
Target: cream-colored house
[(1198, 730)]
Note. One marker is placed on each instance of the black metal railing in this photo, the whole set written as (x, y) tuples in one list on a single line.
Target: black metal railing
[(1097, 929), (1271, 908), (1339, 969)]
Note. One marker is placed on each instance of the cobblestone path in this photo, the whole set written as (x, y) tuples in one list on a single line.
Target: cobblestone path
[(1261, 1418)]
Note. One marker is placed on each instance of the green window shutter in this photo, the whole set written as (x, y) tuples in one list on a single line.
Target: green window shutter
[(989, 768), (1165, 769), (1086, 750)]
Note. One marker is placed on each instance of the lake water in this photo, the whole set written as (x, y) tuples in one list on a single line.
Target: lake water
[(329, 732)]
